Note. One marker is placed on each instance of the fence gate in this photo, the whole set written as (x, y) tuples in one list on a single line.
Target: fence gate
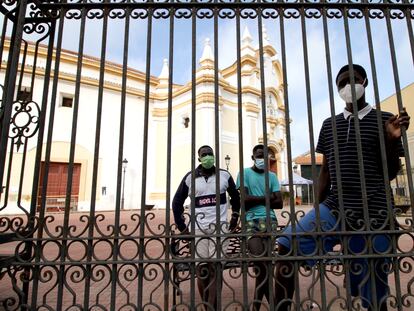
[(104, 106)]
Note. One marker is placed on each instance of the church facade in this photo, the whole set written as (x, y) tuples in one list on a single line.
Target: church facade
[(99, 128)]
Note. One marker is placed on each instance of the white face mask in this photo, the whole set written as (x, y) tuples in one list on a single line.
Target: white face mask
[(346, 92), (259, 163)]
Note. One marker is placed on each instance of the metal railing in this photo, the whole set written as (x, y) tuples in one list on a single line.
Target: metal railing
[(108, 259)]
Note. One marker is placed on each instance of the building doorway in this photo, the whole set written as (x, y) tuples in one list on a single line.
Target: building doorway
[(56, 186), (272, 161)]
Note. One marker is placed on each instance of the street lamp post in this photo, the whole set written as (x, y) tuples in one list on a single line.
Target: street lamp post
[(124, 166), (227, 160)]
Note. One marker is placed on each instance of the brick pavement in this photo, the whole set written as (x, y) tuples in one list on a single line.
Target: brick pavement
[(157, 294)]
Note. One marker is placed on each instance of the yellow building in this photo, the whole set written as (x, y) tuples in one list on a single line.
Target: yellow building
[(390, 104)]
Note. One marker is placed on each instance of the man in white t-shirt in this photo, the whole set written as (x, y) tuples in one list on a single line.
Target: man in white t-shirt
[(205, 218)]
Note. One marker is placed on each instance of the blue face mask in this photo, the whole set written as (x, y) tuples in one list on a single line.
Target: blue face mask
[(259, 163)]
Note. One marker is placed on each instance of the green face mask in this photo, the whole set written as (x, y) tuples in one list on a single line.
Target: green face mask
[(207, 162)]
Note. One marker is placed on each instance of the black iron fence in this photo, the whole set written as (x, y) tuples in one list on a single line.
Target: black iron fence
[(80, 88)]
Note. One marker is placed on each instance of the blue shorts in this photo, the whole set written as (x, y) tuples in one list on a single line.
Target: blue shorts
[(359, 267)]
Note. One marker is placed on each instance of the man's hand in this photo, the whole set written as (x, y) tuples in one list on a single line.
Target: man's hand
[(276, 201), (324, 181), (233, 222), (395, 123)]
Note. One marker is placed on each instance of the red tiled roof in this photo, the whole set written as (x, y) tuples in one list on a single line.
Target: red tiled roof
[(305, 159)]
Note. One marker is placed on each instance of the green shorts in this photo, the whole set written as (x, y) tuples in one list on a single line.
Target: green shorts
[(258, 225)]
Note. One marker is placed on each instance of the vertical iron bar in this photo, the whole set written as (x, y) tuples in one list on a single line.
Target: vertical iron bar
[(266, 157), (91, 222), (293, 251), (9, 169), (123, 186), (19, 86), (23, 164), (408, 18), (9, 83), (169, 143), (342, 219), (193, 150), (42, 120), (399, 101), (241, 164), (114, 275), (65, 230), (264, 120), (38, 248), (367, 228), (217, 152), (379, 117), (144, 160), (405, 144), (356, 119), (19, 195), (34, 68), (2, 39), (319, 244), (383, 157), (28, 246), (409, 168)]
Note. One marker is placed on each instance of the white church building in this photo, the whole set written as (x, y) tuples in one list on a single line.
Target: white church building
[(20, 185)]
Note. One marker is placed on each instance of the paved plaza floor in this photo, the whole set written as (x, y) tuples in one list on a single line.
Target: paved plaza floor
[(122, 287)]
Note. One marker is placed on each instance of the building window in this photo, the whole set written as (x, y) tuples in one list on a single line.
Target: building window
[(67, 101), (270, 110), (24, 94), (400, 191)]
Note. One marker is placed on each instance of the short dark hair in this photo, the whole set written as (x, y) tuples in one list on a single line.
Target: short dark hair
[(204, 146), (259, 146), (357, 68)]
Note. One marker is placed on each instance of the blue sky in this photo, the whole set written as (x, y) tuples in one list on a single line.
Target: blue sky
[(294, 52)]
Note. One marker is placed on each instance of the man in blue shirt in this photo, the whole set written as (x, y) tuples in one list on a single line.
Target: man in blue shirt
[(256, 217)]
